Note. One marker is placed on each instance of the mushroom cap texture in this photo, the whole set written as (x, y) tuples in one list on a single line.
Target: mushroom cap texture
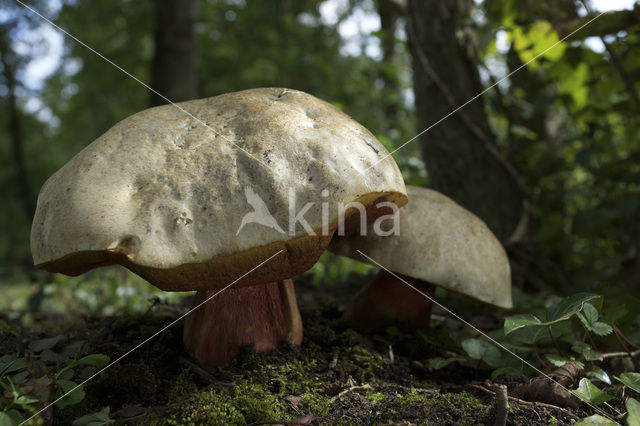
[(165, 195), (442, 243)]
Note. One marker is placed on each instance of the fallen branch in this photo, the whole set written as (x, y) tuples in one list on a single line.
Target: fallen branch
[(621, 354), (529, 403)]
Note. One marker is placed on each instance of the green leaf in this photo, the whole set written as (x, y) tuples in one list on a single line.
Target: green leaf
[(42, 344), (10, 418), (590, 393), (559, 361), (516, 322), (9, 364), (590, 313), (568, 307), (596, 419), (94, 419), (73, 397), (586, 351), (473, 347), (630, 380), (483, 350), (633, 412), (561, 311), (599, 374), (601, 328), (438, 363), (97, 360), (26, 400)]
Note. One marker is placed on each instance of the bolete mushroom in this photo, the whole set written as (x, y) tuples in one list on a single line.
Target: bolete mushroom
[(193, 197), (437, 243)]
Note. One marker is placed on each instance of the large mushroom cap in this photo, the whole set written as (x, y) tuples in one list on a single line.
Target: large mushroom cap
[(442, 243), (165, 195)]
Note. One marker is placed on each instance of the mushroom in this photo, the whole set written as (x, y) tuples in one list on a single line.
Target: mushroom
[(193, 196), (437, 243)]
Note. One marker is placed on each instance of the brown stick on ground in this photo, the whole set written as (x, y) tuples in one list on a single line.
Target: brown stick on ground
[(502, 405), (529, 403)]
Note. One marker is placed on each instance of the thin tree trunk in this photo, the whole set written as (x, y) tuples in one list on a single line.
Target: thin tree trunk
[(17, 141), (174, 74), (460, 153)]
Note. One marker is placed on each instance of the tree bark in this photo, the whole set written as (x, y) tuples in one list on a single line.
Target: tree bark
[(460, 153), (173, 74), (15, 131)]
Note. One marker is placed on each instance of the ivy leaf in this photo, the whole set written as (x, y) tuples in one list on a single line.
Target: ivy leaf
[(94, 419), (633, 412), (42, 344), (72, 398), (599, 374), (97, 360), (516, 322), (630, 380), (590, 393), (11, 418), (438, 363), (595, 420), (8, 364), (482, 350), (563, 310), (568, 307)]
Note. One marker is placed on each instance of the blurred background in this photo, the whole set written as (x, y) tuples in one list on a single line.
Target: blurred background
[(549, 157)]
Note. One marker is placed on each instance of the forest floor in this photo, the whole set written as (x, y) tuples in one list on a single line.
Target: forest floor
[(337, 375)]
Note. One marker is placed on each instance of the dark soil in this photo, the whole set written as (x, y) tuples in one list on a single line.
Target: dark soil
[(337, 376)]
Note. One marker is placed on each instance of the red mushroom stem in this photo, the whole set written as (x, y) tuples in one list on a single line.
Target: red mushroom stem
[(387, 301), (265, 316)]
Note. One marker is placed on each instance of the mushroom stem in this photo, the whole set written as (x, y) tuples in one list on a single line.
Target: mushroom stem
[(387, 301), (264, 316)]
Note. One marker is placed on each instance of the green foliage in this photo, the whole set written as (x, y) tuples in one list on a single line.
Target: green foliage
[(590, 393), (46, 374), (631, 380), (633, 412)]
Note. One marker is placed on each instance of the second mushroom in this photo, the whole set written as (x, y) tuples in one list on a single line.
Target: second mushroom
[(438, 243)]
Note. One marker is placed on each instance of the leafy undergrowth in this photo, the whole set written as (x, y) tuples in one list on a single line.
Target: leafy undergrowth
[(441, 375)]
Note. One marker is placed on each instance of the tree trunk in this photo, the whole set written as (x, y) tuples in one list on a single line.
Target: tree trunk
[(173, 74), (460, 153), (15, 130)]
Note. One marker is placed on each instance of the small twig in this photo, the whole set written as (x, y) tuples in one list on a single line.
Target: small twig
[(621, 354), (502, 405), (621, 334), (350, 389), (206, 377), (555, 342), (529, 403)]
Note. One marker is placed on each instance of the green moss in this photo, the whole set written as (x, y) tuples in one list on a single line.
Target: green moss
[(317, 404), (256, 402), (244, 403), (203, 408), (363, 363), (375, 397)]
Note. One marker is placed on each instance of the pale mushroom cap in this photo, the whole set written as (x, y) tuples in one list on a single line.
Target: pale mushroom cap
[(442, 243), (160, 192)]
